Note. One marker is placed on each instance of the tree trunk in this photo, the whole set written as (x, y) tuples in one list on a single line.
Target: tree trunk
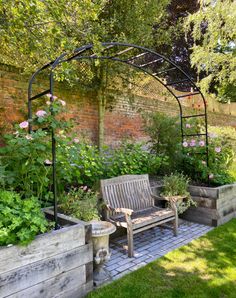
[(101, 117)]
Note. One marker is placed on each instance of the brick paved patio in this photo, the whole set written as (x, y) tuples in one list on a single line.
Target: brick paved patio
[(151, 245)]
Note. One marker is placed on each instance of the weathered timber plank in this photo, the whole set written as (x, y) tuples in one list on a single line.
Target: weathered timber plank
[(226, 218), (68, 281), (89, 271), (196, 217), (205, 202), (44, 246), (78, 292), (32, 274), (206, 192), (201, 215)]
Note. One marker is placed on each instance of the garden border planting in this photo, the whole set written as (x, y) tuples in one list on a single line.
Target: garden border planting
[(55, 264)]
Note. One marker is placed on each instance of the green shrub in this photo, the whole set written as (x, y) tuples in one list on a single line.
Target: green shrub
[(79, 163), (165, 138), (130, 158), (20, 220), (80, 203)]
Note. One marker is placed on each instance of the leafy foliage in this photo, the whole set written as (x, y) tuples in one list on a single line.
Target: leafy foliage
[(164, 134), (221, 157), (20, 220), (26, 156), (176, 185), (130, 158), (81, 203), (213, 53)]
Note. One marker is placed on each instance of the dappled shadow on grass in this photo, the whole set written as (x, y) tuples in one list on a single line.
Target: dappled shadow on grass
[(204, 268)]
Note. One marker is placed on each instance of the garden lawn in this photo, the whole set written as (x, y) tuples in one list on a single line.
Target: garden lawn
[(206, 267)]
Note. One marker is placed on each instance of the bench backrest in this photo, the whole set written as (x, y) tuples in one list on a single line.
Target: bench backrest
[(127, 191)]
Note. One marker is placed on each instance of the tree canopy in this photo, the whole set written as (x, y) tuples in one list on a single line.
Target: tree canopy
[(212, 28), (34, 32)]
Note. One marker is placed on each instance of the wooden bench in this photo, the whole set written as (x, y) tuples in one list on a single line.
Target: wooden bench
[(130, 204)]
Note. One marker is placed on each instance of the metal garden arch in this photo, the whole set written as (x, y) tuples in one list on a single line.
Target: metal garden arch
[(146, 60)]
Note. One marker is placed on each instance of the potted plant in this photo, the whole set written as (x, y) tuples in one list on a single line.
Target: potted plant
[(175, 189)]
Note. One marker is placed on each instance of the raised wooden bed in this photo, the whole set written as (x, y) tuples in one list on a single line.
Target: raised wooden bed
[(215, 205), (55, 264)]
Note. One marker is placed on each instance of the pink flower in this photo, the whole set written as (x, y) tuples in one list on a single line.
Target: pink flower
[(185, 144), (188, 125), (85, 187), (47, 162), (192, 143), (201, 143), (49, 95), (62, 102), (76, 140), (24, 124), (211, 176), (41, 113), (29, 137), (218, 149)]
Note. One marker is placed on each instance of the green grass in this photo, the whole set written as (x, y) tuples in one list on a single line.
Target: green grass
[(206, 267)]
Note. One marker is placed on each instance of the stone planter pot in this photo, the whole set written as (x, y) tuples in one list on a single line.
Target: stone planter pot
[(56, 264), (215, 205), (100, 238)]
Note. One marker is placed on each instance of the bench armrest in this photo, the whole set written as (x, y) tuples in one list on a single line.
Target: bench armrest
[(171, 200), (157, 197), (121, 210)]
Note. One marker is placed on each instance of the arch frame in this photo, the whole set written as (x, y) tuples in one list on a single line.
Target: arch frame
[(155, 58)]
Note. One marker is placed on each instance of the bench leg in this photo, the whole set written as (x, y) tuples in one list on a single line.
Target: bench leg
[(175, 226), (130, 242)]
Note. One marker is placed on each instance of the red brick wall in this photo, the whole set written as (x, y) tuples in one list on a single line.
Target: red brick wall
[(122, 121)]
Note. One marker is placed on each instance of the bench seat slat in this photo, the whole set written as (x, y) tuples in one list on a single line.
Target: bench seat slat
[(145, 217)]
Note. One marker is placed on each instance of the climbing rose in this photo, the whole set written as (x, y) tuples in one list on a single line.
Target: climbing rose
[(62, 102), (49, 95), (203, 162), (185, 144), (76, 140), (211, 176), (192, 143), (41, 113), (201, 143), (47, 162), (218, 149), (24, 124), (188, 125)]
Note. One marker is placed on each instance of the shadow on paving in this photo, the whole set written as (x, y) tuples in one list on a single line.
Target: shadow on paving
[(204, 268)]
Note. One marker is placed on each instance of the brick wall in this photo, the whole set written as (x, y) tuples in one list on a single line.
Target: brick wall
[(123, 120)]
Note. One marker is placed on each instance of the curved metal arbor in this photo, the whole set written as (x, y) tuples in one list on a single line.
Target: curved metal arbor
[(146, 60)]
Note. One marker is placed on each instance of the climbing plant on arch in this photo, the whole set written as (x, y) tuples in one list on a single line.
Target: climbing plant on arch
[(143, 59)]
